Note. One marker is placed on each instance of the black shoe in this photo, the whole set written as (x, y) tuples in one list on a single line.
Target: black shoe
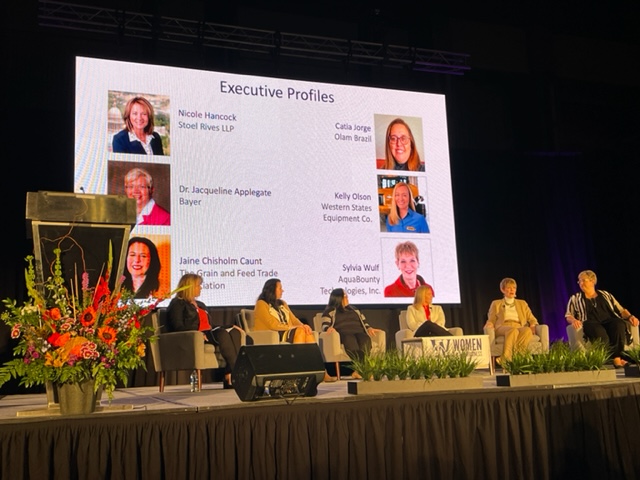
[(226, 385)]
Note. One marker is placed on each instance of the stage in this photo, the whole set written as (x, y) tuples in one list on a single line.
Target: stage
[(587, 431)]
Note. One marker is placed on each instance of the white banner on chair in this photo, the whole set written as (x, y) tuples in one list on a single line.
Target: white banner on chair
[(475, 345)]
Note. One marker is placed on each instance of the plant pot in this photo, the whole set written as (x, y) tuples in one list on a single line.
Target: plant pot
[(415, 386), (557, 378), (631, 370), (77, 398), (52, 395)]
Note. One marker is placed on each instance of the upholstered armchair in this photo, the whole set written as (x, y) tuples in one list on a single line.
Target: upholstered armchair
[(405, 332), (175, 351), (578, 341), (260, 337), (539, 342), (332, 348)]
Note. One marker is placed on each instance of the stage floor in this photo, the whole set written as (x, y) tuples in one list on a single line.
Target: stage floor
[(178, 398)]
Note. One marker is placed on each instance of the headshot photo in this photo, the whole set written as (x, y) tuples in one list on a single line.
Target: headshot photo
[(148, 184), (406, 260), (138, 124), (401, 204), (399, 143), (147, 266)]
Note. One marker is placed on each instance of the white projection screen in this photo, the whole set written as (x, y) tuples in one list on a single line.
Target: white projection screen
[(269, 177)]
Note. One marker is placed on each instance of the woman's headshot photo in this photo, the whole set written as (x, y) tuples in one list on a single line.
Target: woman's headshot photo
[(146, 183), (406, 259), (138, 124), (399, 143), (401, 204), (144, 274)]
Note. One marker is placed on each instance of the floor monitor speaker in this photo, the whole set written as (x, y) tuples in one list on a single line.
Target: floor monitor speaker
[(278, 371)]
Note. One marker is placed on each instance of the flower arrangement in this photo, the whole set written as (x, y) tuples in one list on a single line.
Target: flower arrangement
[(71, 334)]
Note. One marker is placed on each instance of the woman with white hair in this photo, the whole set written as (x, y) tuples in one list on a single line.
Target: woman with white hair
[(600, 316)]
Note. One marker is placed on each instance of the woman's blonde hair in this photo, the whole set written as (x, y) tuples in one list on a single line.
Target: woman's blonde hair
[(407, 248), (421, 292), (590, 274), (146, 104), (189, 280), (136, 172), (394, 217), (413, 163), (507, 281)]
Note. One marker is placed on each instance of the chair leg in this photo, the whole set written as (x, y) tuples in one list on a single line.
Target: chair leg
[(492, 365), (199, 373), (161, 381), (338, 370)]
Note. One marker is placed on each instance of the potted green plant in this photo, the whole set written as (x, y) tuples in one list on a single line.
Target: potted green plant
[(632, 368), (397, 372), (81, 336), (560, 365)]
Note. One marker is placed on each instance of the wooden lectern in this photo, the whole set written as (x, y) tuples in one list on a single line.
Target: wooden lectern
[(83, 227)]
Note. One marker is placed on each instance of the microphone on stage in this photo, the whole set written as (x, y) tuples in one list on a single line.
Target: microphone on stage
[(82, 190)]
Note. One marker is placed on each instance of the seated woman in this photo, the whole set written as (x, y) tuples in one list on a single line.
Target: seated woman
[(425, 319), (600, 316), (273, 313), (355, 332), (512, 319), (185, 313)]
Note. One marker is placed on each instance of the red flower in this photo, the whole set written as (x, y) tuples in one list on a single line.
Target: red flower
[(102, 290), (52, 314), (88, 317), (107, 334)]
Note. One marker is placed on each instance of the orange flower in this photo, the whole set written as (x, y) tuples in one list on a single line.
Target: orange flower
[(51, 361), (88, 317), (107, 335), (58, 340), (71, 348), (53, 314)]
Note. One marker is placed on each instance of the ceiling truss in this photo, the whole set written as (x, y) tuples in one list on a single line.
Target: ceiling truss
[(122, 23)]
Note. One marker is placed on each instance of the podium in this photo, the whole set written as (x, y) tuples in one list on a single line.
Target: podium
[(83, 227)]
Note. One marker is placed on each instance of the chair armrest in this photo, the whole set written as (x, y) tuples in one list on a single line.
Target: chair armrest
[(576, 337), (543, 332), (403, 334), (455, 331), (180, 350), (329, 343), (265, 337), (492, 334), (635, 334), (379, 342)]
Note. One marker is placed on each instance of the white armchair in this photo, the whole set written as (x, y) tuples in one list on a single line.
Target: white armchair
[(405, 332), (332, 349), (539, 342), (577, 340), (260, 337)]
